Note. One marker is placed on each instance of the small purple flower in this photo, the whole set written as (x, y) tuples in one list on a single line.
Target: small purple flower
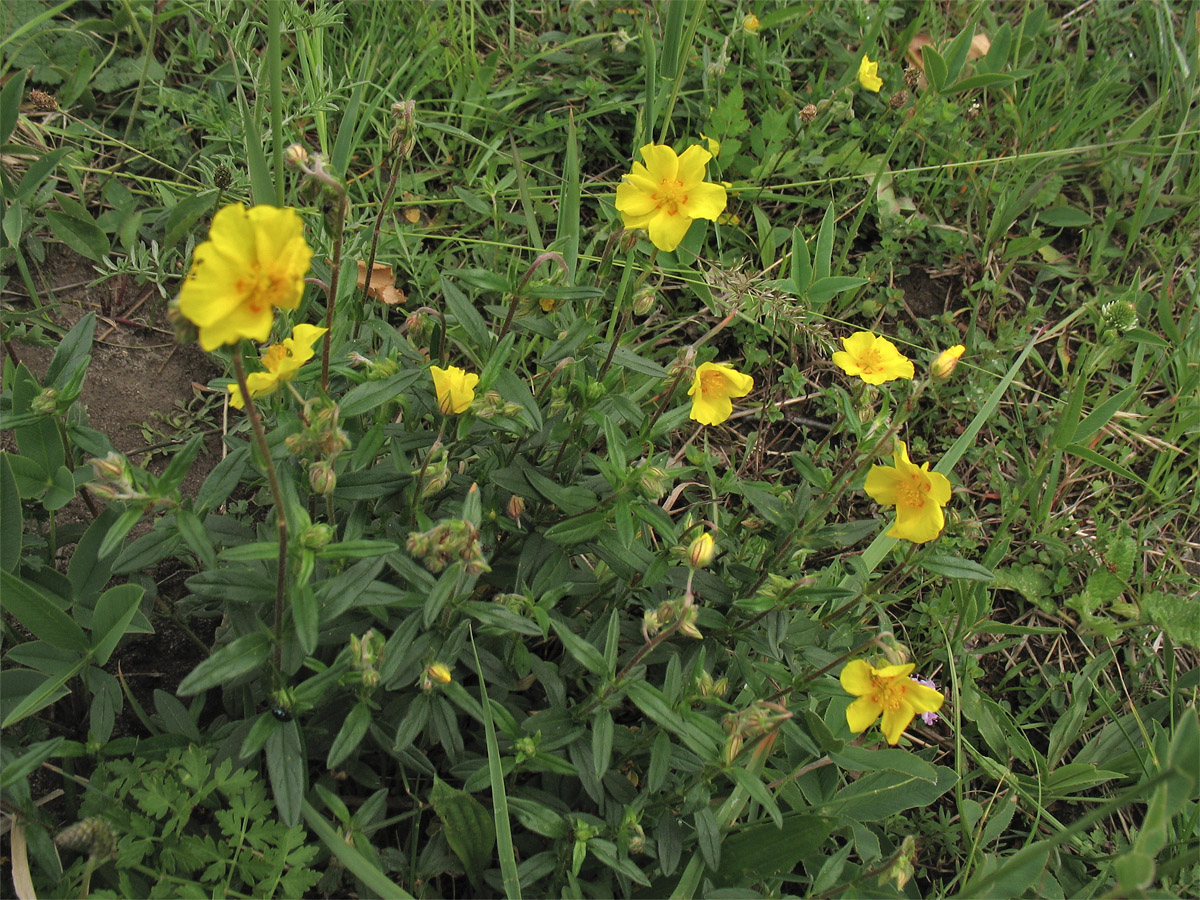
[(930, 717)]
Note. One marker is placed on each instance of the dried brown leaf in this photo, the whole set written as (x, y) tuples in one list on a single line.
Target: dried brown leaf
[(383, 283), (980, 45)]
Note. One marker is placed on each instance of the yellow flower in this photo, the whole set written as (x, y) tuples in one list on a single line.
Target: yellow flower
[(253, 261), (712, 389), (750, 24), (455, 388), (282, 361), (888, 691), (711, 144), (873, 359), (868, 74), (666, 193), (947, 361), (702, 551), (917, 494)]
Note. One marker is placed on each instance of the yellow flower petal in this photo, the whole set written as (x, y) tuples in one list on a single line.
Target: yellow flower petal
[(712, 389), (253, 262), (856, 677), (873, 359), (666, 231), (665, 192), (917, 494), (868, 74), (895, 720), (455, 388), (862, 713), (924, 699)]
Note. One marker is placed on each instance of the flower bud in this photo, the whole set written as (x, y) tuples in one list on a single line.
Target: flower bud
[(45, 403), (750, 24), (438, 672), (687, 623), (296, 156), (1119, 315), (646, 299), (316, 537), (516, 506), (898, 99), (946, 362), (94, 835), (912, 77), (702, 551), (322, 478), (808, 114), (222, 177)]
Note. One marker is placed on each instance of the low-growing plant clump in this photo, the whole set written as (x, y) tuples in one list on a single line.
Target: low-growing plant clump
[(682, 449)]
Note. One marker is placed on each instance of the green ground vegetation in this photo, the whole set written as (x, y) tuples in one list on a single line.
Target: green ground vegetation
[(483, 663)]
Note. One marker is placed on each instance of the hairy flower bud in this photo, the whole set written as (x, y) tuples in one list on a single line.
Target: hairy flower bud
[(316, 537), (808, 114), (45, 403), (702, 551), (322, 478), (912, 77), (946, 361), (898, 99), (644, 301), (516, 506), (222, 177), (296, 156), (94, 835)]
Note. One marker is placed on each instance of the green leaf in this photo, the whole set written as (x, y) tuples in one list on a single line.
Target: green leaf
[(353, 729), (12, 520), (935, 68), (15, 770), (357, 550), (194, 535), (801, 263), (1105, 463), (114, 611), (245, 654), (1064, 217), (880, 794), (823, 258), (582, 651), (33, 609), (463, 312), (183, 218), (578, 529), (82, 235), (825, 289), (753, 785), (49, 690), (1179, 617), (1100, 416), (982, 80), (468, 827), (288, 771), (954, 567), (759, 852), (372, 394), (14, 91), (363, 869)]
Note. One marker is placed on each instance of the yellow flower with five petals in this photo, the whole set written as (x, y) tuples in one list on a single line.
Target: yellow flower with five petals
[(667, 192), (917, 494), (253, 262), (888, 691), (712, 389), (873, 359), (455, 388), (282, 361)]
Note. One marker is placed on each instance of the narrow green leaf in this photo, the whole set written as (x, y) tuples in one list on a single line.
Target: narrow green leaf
[(582, 651), (1101, 415), (361, 867), (823, 258), (82, 235), (288, 771), (467, 826), (232, 661), (353, 729), (33, 609), (954, 567), (12, 519), (114, 611), (37, 754)]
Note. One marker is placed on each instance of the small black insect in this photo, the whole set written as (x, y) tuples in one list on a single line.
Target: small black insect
[(281, 714)]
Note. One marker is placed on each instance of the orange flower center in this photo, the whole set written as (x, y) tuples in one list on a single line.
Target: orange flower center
[(889, 692), (274, 356), (712, 383), (912, 492), (870, 362), (261, 289), (670, 196)]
